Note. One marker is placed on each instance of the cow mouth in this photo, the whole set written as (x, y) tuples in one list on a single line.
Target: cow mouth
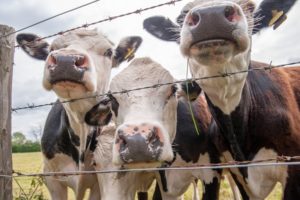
[(216, 49), (212, 43), (68, 83)]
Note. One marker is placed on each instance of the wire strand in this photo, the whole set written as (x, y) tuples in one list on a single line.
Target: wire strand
[(221, 75), (49, 18), (138, 11), (278, 161)]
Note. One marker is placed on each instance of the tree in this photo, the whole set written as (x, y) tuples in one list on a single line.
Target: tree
[(36, 132), (18, 138)]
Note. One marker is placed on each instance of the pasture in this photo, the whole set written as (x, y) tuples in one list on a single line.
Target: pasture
[(31, 188)]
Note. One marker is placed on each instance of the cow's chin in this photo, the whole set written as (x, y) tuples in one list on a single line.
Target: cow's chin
[(70, 90), (141, 165), (216, 51)]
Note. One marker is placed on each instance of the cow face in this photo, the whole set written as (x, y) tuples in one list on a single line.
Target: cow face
[(215, 32), (78, 63), (212, 33), (145, 119)]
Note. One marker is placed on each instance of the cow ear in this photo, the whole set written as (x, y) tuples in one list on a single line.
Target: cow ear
[(33, 45), (189, 90), (162, 28), (271, 13), (100, 114), (126, 49)]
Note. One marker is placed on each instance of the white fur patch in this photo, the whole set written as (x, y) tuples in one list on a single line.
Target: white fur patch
[(261, 180), (179, 181)]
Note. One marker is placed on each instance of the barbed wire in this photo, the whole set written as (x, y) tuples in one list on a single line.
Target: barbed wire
[(49, 18), (278, 161), (220, 75), (138, 11)]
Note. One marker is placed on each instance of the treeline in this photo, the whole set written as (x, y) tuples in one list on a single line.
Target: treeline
[(21, 144)]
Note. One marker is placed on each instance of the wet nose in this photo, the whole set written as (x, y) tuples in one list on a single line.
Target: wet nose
[(68, 67), (139, 143), (219, 21)]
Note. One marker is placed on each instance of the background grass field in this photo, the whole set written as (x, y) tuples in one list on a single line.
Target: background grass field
[(25, 188)]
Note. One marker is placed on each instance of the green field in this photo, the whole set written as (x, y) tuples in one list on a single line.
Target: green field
[(30, 188)]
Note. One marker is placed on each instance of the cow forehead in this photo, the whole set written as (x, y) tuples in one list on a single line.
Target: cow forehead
[(142, 72), (86, 39)]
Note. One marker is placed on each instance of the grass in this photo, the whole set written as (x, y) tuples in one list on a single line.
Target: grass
[(32, 188)]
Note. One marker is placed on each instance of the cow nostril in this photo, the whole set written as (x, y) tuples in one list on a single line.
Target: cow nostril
[(153, 135), (79, 62), (230, 12), (52, 60), (193, 19)]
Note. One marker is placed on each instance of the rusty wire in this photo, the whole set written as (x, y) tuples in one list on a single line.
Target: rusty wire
[(138, 11), (220, 75), (278, 161)]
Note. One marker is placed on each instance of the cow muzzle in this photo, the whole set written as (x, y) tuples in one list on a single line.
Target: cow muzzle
[(66, 67), (139, 143), (217, 30)]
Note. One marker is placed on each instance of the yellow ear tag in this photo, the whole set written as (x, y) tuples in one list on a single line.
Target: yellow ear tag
[(276, 15), (130, 52)]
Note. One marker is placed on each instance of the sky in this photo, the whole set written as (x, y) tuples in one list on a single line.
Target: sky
[(280, 46)]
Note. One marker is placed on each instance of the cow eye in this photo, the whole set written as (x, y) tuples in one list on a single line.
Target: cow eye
[(172, 94), (114, 104), (181, 17), (108, 53)]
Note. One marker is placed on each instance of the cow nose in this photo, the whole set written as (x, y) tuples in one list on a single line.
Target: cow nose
[(60, 60), (215, 21), (66, 67), (139, 143)]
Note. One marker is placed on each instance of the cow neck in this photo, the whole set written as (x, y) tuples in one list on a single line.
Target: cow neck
[(260, 96), (76, 112)]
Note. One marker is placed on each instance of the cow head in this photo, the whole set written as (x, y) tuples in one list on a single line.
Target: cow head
[(211, 32), (78, 63), (145, 119)]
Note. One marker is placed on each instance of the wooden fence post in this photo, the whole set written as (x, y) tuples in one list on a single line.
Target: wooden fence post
[(6, 68)]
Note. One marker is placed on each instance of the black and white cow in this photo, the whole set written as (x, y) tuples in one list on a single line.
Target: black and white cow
[(257, 113), (77, 65)]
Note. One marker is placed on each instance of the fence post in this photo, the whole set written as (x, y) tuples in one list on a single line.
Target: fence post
[(6, 69)]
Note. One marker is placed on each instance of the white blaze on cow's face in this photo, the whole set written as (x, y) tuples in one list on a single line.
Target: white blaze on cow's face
[(146, 119), (216, 38), (79, 64)]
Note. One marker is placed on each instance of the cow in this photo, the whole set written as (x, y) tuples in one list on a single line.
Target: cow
[(256, 114), (77, 65), (145, 121)]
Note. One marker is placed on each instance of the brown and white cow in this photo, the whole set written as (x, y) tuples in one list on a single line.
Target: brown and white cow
[(256, 113), (77, 65)]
